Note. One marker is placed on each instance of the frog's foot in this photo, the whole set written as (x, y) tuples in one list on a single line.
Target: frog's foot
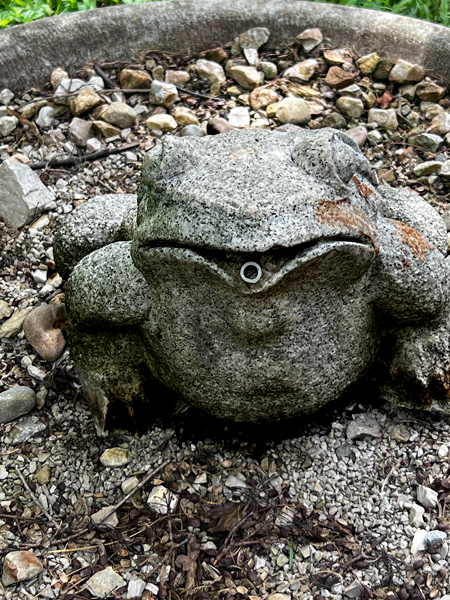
[(98, 222), (107, 298), (419, 370), (113, 377), (411, 275)]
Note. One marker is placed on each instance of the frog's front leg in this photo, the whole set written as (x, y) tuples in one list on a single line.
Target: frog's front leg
[(418, 372), (107, 298)]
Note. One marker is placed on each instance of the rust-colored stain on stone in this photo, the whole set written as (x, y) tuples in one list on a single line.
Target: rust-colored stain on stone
[(416, 242), (363, 190), (342, 216), (423, 395)]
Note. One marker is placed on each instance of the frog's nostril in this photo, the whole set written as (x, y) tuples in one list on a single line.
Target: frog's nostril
[(251, 272)]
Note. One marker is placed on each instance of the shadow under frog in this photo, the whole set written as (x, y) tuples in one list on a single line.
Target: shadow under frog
[(258, 276)]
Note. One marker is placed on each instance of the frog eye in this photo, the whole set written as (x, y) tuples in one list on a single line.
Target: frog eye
[(332, 157)]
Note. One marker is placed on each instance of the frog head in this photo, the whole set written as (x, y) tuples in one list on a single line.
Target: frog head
[(270, 258)]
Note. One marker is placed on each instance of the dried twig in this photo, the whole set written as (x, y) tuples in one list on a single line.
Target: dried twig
[(108, 82), (376, 543), (35, 499), (77, 160)]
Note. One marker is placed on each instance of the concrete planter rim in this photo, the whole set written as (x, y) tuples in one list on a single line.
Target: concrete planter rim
[(30, 52)]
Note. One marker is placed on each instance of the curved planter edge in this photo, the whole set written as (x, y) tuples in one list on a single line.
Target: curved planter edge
[(29, 53)]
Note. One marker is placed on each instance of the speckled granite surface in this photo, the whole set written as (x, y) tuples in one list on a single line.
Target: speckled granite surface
[(342, 270)]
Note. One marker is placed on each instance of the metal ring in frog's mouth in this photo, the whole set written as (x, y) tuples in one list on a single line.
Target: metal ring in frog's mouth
[(251, 272)]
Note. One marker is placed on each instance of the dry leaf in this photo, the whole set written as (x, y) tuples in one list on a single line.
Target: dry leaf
[(228, 515)]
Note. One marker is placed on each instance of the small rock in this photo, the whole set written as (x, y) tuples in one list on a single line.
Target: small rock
[(163, 94), (192, 130), (128, 485), (254, 38), (248, 77), (210, 71), (350, 107), (429, 141), (362, 426), (179, 78), (105, 129), (13, 326), (161, 122), (278, 596), (369, 63), (5, 309), (158, 73), (218, 125), (68, 89), (93, 145), (99, 517), (443, 451), (354, 590), (86, 100), (251, 56), (39, 276), (217, 55), (337, 78), (334, 120), (115, 457), (120, 114), (434, 541), (103, 583), (57, 76), (20, 566), (24, 430), (262, 97), (15, 402), (79, 131), (416, 515), (431, 92), (131, 79), (405, 72), (426, 496), (269, 69), (161, 500), (290, 110), (7, 125), (285, 517), (239, 117), (383, 69), (234, 482), (135, 589), (440, 124), (358, 134), (184, 116), (43, 329), (43, 475), (302, 71), (418, 543), (346, 451), (427, 167), (337, 57), (6, 96), (385, 119), (36, 373), (46, 117), (310, 39)]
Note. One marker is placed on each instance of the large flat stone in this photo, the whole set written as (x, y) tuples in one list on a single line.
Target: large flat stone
[(23, 196)]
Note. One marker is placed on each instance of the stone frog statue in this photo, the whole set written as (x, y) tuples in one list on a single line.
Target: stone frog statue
[(258, 276)]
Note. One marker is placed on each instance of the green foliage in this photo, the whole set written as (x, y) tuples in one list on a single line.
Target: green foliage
[(429, 10), (22, 11), (14, 12)]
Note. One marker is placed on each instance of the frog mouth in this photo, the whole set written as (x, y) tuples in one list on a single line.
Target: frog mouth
[(254, 272)]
